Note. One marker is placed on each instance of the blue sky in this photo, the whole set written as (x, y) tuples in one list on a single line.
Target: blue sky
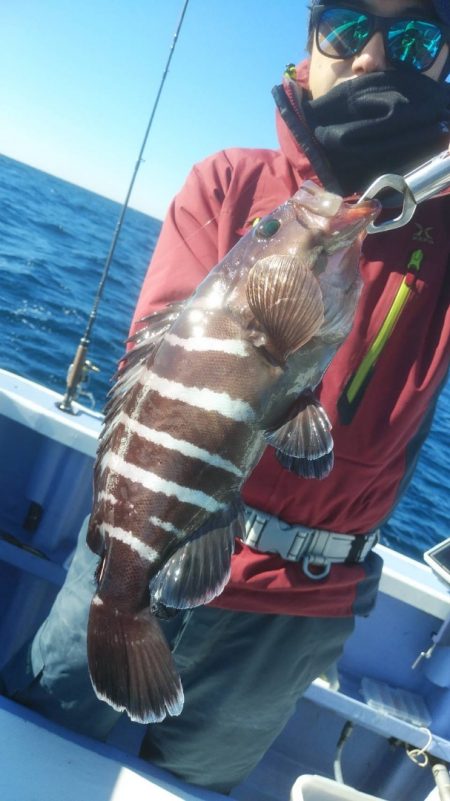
[(79, 79)]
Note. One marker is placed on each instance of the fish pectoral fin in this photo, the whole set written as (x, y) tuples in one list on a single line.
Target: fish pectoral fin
[(286, 300), (307, 468), (130, 663), (304, 443), (200, 568)]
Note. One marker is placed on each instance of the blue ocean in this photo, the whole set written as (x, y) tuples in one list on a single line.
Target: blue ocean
[(54, 239)]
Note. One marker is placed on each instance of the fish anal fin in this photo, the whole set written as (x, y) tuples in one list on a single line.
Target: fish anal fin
[(286, 300), (303, 442), (130, 663), (199, 569)]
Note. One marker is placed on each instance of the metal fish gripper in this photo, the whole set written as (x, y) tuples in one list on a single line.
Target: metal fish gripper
[(424, 182)]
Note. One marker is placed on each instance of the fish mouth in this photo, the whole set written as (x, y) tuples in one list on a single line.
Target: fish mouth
[(348, 227), (342, 244), (341, 222), (352, 220)]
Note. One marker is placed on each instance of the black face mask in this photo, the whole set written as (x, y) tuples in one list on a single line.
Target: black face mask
[(374, 124)]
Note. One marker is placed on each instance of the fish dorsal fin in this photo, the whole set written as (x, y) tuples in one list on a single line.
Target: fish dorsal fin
[(199, 569), (304, 443), (151, 330), (144, 344), (286, 299)]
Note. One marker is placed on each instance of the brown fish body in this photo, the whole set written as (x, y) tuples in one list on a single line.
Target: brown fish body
[(190, 416)]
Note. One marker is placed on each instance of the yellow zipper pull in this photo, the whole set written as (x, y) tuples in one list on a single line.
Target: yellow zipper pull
[(356, 386)]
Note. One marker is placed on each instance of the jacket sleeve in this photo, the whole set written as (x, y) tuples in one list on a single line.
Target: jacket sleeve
[(188, 245)]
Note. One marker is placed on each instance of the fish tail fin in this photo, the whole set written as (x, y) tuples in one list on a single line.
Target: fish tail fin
[(130, 663)]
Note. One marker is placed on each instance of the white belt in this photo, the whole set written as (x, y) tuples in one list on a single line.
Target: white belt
[(311, 546)]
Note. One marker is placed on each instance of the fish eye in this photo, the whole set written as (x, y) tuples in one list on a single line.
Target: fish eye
[(267, 228)]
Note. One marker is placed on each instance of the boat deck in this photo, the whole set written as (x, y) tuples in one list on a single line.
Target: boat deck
[(42, 762)]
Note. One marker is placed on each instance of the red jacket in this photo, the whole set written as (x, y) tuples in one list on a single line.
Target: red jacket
[(375, 450)]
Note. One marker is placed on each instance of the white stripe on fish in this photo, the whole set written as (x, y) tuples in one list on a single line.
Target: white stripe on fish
[(234, 347), (145, 551), (201, 398), (155, 483), (156, 521), (107, 497), (180, 445)]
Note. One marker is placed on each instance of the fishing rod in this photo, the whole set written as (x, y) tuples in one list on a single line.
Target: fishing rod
[(81, 365)]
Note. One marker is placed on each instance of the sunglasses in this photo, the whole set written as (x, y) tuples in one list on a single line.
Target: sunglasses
[(410, 42)]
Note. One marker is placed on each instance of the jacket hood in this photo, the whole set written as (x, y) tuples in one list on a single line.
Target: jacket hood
[(289, 146), (304, 157)]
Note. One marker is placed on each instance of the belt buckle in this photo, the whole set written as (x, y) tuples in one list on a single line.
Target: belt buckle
[(318, 561), (255, 524)]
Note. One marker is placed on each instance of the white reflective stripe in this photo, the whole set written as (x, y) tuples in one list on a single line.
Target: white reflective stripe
[(200, 397), (127, 538), (156, 521), (180, 445), (155, 483), (234, 347)]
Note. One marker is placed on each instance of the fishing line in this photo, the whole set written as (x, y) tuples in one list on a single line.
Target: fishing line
[(80, 364)]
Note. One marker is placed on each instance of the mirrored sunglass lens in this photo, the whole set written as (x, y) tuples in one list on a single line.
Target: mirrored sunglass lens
[(342, 32), (414, 43)]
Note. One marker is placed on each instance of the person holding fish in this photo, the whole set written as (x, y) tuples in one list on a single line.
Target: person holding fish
[(241, 482)]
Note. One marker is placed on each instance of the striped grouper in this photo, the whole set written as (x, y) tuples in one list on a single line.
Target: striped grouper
[(205, 386)]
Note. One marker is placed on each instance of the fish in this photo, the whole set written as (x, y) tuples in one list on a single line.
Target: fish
[(205, 386)]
